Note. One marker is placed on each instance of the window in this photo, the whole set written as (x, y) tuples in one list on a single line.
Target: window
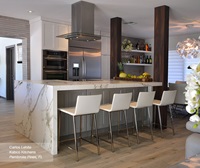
[(175, 67), (178, 67)]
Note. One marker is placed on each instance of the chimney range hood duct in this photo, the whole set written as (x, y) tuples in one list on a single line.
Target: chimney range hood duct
[(82, 23)]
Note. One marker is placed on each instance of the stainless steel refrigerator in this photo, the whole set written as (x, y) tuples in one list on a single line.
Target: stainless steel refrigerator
[(84, 64)]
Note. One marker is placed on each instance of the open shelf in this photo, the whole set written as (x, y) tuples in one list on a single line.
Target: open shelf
[(136, 64), (138, 51)]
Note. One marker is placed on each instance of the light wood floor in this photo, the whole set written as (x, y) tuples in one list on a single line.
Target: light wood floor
[(161, 153)]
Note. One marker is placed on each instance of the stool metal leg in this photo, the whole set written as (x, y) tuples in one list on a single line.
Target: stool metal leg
[(75, 140), (150, 122), (160, 121), (59, 120), (92, 125), (111, 135), (97, 136), (80, 139), (136, 127), (118, 125), (172, 122), (125, 117)]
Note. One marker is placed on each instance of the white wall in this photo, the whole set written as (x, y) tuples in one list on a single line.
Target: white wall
[(4, 42)]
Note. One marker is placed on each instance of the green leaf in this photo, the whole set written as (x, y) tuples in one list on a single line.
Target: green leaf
[(195, 125)]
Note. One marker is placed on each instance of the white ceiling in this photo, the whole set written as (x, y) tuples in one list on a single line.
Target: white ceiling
[(182, 12)]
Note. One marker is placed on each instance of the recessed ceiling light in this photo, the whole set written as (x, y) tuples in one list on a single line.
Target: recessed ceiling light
[(30, 11), (130, 22)]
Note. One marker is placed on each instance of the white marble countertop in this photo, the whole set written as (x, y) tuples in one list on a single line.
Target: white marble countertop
[(96, 84)]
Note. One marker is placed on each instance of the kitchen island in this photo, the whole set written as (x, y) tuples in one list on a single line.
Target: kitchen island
[(36, 104)]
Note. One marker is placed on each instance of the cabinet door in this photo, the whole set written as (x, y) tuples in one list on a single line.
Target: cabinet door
[(105, 67), (48, 35), (105, 45), (61, 43)]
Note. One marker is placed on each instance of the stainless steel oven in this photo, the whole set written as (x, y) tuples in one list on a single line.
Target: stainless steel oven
[(54, 64), (55, 74)]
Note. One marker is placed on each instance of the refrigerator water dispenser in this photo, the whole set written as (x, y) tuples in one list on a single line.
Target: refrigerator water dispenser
[(76, 69)]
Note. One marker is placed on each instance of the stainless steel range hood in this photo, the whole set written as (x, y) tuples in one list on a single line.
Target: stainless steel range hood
[(82, 23)]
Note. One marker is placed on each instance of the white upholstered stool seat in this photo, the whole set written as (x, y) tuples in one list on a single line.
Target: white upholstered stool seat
[(145, 100), (120, 102), (85, 105), (167, 99)]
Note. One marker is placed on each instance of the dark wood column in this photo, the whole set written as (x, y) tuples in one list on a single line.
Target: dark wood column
[(115, 45), (161, 36)]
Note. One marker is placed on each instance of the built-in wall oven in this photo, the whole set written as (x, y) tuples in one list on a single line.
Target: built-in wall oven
[(54, 65)]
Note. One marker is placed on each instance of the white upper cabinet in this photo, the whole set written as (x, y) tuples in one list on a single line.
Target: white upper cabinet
[(50, 32), (61, 43), (48, 35)]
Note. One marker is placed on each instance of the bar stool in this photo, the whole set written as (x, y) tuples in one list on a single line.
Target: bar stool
[(167, 99), (120, 102), (85, 105), (145, 100)]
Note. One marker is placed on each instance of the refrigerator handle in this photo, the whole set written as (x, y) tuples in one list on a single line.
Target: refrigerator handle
[(85, 69)]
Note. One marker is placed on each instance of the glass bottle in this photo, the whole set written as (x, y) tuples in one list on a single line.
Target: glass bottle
[(150, 60), (146, 47), (137, 46), (147, 60), (149, 47)]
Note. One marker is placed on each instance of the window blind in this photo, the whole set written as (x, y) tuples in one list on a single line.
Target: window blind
[(175, 67), (178, 66)]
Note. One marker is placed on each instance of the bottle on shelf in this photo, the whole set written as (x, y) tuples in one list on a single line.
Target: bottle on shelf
[(146, 47), (141, 59), (147, 60), (149, 47), (137, 46), (138, 59), (150, 60)]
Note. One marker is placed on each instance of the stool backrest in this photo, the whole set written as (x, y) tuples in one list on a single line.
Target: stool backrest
[(121, 101), (145, 99), (87, 104), (180, 89), (168, 97)]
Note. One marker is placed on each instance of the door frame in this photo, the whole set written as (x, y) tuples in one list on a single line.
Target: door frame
[(10, 69)]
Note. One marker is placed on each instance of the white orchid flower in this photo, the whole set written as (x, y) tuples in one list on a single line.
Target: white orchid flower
[(190, 109), (195, 118), (193, 66), (192, 94)]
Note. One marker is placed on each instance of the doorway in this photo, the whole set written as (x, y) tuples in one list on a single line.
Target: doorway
[(10, 72)]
